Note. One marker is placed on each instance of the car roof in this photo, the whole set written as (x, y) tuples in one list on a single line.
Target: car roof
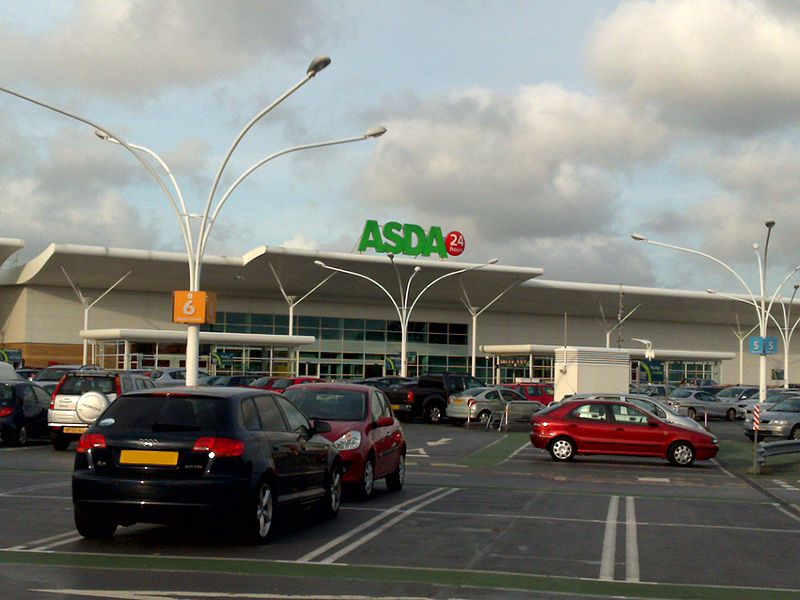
[(319, 385), (200, 391)]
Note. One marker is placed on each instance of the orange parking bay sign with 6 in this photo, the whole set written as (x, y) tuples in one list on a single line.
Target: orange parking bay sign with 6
[(194, 308)]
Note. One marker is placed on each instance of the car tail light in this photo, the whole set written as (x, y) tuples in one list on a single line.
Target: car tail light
[(219, 446), (89, 441), (118, 383), (410, 397), (471, 402), (6, 411)]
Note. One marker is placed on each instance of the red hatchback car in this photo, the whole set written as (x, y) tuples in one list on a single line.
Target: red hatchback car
[(368, 436), (279, 384), (604, 427)]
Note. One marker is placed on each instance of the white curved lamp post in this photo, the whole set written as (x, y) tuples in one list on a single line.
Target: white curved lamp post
[(195, 248), (763, 310), (403, 308)]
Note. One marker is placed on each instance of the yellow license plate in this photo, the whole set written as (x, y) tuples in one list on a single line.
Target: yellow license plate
[(458, 401), (396, 407), (148, 457), (75, 429)]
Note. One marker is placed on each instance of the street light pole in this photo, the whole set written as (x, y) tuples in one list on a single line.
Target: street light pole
[(404, 308), (763, 310), (195, 250)]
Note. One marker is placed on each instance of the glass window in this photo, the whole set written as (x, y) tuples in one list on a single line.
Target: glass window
[(76, 385), (297, 422), (375, 406), (493, 395), (591, 412), (375, 325), (354, 324), (386, 410), (42, 396), (250, 415), (628, 415), (271, 417)]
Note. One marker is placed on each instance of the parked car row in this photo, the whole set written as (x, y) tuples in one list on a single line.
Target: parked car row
[(167, 455)]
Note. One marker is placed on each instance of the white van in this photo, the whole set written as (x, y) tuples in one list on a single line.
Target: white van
[(7, 371)]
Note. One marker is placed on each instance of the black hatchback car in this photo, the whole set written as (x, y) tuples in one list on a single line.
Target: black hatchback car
[(202, 455), (23, 411)]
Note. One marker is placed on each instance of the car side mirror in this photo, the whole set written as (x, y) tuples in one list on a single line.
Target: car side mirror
[(384, 422), (321, 427)]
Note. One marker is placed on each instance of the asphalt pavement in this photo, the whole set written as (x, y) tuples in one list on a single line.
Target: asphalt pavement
[(482, 515)]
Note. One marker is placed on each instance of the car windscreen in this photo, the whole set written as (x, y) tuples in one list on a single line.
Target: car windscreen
[(52, 374), (729, 393), (330, 405), (164, 413), (262, 381), (473, 391), (681, 393), (76, 385), (792, 405), (282, 383)]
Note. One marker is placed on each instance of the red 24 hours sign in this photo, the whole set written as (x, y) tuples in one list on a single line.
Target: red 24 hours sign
[(455, 243)]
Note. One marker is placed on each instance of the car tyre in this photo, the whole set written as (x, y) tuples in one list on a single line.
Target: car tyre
[(367, 485), (562, 449), (93, 527), (681, 454), (332, 500), (794, 434), (396, 479), (730, 415), (258, 518), (434, 413), (691, 413), (59, 441), (483, 417)]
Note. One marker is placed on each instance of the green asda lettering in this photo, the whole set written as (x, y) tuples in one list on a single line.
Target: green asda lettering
[(407, 239)]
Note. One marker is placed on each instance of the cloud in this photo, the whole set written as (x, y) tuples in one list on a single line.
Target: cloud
[(535, 171), (301, 242), (726, 66), (140, 47)]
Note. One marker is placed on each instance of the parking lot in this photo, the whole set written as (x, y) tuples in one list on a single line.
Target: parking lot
[(482, 515)]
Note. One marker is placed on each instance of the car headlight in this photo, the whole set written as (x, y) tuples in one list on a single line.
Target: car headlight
[(349, 441), (780, 422)]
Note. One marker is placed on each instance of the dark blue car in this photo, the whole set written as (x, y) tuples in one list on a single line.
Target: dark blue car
[(23, 411)]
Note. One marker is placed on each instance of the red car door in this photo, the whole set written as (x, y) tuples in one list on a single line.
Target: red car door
[(635, 432), (589, 424), (386, 435)]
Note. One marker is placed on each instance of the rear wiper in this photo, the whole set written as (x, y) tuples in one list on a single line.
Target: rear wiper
[(174, 427)]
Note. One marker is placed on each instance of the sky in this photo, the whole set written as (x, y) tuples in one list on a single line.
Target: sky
[(546, 132)]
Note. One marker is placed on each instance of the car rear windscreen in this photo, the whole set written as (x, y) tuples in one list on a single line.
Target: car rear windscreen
[(76, 385), (165, 413)]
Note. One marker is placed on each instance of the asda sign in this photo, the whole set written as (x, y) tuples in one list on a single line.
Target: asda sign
[(410, 240)]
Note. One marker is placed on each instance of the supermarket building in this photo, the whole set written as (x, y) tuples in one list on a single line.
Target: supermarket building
[(345, 327)]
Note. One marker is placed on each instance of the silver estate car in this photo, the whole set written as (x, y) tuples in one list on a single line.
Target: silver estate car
[(478, 404), (780, 421), (696, 404)]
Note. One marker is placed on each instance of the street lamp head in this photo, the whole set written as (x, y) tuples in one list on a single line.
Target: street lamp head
[(710, 291), (105, 137), (770, 223), (390, 255), (319, 63), (638, 237), (796, 285), (375, 132), (755, 246), (319, 263), (417, 269), (492, 261)]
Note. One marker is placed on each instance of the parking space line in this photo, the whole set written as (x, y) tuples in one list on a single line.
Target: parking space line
[(723, 469), (609, 541), (69, 540), (367, 524), (43, 540), (788, 513), (631, 542), (364, 539), (517, 451), (31, 488)]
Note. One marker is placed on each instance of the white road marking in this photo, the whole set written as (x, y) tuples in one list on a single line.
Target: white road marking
[(31, 488), (517, 451), (786, 486), (723, 469), (609, 541), (342, 538), (631, 542), (787, 513), (417, 452), (170, 595), (440, 442), (43, 540), (364, 539), (74, 538), (653, 479)]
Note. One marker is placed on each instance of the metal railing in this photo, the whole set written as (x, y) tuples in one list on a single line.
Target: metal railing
[(514, 412), (768, 449)]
